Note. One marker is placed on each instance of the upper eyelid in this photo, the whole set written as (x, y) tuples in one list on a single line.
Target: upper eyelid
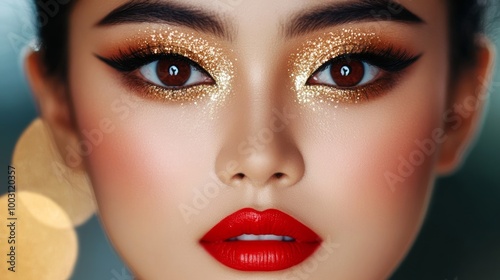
[(158, 42), (385, 61), (314, 53), (319, 49), (150, 55), (156, 57), (147, 55), (404, 64), (206, 53)]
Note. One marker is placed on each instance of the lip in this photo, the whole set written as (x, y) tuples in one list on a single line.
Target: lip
[(260, 255)]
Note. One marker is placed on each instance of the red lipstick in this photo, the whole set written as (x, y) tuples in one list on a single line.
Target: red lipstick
[(250, 240)]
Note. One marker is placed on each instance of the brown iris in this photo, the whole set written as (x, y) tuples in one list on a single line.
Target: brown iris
[(347, 72), (174, 71)]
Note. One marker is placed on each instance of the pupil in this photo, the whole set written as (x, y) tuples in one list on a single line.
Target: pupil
[(345, 71), (174, 71)]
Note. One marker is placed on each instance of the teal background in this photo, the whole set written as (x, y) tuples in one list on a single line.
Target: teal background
[(461, 236)]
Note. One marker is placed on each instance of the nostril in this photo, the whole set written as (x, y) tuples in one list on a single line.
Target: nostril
[(239, 176), (278, 175)]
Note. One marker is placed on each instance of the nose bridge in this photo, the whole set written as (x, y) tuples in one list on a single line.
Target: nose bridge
[(256, 99), (264, 137), (259, 146), (261, 84)]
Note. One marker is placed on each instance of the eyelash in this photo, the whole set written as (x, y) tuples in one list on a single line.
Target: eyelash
[(127, 62), (135, 60), (131, 61), (391, 61)]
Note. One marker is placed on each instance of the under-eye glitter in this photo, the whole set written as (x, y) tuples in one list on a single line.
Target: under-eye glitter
[(207, 54), (314, 53)]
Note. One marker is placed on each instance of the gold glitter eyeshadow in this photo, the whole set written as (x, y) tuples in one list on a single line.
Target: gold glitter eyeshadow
[(314, 53), (208, 55)]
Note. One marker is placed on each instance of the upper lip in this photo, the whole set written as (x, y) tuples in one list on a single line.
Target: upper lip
[(250, 221)]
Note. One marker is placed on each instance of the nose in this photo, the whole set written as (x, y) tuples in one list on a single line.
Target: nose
[(261, 152)]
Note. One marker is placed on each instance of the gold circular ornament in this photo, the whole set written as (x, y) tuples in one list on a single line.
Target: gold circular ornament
[(33, 249), (40, 169)]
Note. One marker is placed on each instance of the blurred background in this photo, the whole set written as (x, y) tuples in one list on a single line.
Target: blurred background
[(460, 238)]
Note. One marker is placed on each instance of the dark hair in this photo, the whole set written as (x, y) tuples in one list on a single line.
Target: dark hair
[(466, 20), (52, 19)]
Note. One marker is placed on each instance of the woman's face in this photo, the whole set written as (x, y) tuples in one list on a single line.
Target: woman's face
[(329, 112)]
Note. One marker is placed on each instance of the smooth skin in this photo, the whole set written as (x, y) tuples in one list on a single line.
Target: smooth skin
[(156, 158)]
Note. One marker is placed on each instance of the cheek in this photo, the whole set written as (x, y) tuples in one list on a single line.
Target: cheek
[(135, 147), (371, 167), (145, 159), (140, 171)]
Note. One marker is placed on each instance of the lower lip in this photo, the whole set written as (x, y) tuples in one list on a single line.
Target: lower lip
[(260, 255)]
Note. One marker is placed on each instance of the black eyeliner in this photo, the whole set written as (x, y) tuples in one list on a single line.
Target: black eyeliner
[(389, 59), (132, 60)]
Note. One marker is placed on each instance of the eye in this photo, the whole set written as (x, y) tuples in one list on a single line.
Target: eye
[(175, 71), (345, 72)]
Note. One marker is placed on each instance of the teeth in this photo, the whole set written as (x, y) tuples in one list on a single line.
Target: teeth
[(247, 237), (261, 237), (288, 238)]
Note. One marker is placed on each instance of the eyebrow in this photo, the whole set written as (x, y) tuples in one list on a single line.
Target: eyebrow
[(348, 12), (144, 11)]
